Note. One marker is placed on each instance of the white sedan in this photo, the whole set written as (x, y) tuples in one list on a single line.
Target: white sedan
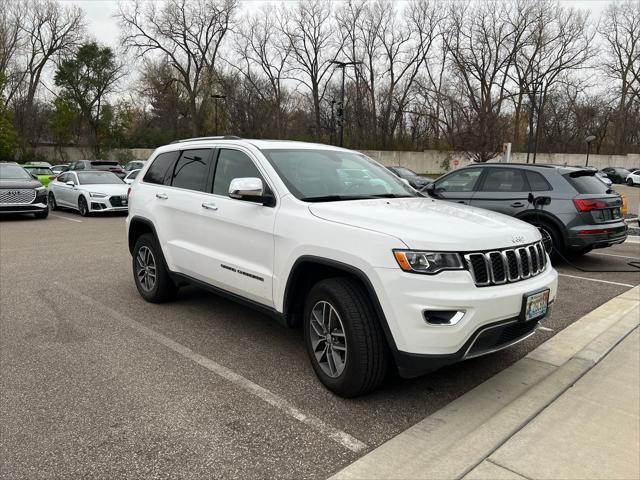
[(633, 178), (89, 191)]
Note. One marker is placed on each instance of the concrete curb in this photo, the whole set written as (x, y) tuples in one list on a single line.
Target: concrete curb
[(454, 440)]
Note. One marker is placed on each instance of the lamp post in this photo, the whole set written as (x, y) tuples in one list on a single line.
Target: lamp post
[(340, 115), (589, 139), (217, 97)]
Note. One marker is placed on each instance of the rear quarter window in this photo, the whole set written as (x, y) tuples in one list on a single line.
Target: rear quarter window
[(537, 182), (161, 169), (589, 184)]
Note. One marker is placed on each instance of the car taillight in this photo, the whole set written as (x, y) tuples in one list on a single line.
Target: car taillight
[(586, 205)]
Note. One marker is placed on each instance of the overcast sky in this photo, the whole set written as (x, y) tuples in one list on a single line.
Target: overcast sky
[(103, 28)]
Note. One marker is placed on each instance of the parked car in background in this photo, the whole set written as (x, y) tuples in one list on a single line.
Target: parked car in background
[(131, 176), (108, 165), (58, 169), (89, 191), (582, 213), (633, 178), (616, 174), (43, 174), (325, 238), (40, 164), (20, 192), (134, 165), (415, 180)]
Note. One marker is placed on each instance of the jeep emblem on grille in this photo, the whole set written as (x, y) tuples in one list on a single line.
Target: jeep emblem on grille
[(517, 239)]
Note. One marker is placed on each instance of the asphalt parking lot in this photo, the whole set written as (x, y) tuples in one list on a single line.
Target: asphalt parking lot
[(96, 382)]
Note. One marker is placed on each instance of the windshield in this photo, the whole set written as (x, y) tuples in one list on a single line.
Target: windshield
[(332, 175), (39, 170), (13, 172), (98, 178)]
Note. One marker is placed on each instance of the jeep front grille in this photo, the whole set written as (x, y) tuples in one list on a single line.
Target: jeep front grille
[(508, 265), (17, 195)]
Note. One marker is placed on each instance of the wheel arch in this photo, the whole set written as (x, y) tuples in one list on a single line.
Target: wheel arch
[(308, 270), (542, 216), (139, 226)]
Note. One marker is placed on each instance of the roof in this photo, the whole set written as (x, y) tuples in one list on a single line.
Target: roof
[(258, 143)]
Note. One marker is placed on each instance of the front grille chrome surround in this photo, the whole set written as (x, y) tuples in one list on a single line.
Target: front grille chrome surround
[(508, 265), (17, 196)]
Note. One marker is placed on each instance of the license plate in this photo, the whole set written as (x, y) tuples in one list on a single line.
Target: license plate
[(536, 305)]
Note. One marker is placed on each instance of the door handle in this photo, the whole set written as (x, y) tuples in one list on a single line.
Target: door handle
[(162, 196), (517, 204), (209, 206), (462, 201)]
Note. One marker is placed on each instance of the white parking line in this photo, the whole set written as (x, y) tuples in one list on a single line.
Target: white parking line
[(66, 218), (614, 255), (596, 280), (631, 239), (262, 393)]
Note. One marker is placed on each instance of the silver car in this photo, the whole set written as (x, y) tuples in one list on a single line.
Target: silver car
[(89, 191)]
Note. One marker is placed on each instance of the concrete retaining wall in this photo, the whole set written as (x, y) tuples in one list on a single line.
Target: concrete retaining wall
[(428, 161)]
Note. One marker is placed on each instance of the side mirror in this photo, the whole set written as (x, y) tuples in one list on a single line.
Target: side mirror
[(70, 184), (249, 188)]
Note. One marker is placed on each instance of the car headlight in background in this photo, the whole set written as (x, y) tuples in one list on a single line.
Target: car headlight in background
[(427, 262), (41, 189), (97, 195)]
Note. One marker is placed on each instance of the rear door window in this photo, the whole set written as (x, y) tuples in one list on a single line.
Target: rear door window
[(161, 169), (192, 170)]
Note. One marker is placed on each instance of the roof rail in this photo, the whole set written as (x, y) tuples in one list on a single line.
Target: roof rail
[(218, 137)]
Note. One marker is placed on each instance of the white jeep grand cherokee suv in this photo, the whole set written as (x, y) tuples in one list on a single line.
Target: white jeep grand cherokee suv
[(325, 237)]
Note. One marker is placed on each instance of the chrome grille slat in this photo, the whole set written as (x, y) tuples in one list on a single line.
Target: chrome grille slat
[(17, 195), (508, 265)]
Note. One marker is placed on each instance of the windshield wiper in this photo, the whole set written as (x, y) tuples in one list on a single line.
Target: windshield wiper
[(392, 195)]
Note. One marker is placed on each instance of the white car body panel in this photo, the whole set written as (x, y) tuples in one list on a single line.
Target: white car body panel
[(266, 242), (634, 177)]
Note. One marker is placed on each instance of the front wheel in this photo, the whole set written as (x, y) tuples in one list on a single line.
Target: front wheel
[(343, 337), (83, 208), (52, 202)]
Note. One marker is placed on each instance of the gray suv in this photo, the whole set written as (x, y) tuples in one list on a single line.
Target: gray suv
[(576, 212)]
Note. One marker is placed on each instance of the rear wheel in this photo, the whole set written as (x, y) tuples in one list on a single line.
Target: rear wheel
[(551, 239), (150, 271), (630, 182), (343, 336), (83, 208)]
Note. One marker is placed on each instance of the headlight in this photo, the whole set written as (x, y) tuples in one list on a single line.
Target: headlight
[(41, 189), (97, 195), (427, 262)]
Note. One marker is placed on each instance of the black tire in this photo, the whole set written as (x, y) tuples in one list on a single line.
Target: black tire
[(52, 202), (163, 288), (43, 214), (83, 208), (551, 238), (630, 182), (367, 354)]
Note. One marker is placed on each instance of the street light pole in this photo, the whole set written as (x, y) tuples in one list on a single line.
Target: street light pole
[(216, 97), (342, 65), (589, 139)]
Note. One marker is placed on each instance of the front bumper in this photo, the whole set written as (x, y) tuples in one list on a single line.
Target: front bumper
[(405, 296), (107, 204), (39, 205)]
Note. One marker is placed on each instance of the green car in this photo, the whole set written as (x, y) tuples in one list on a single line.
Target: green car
[(44, 174)]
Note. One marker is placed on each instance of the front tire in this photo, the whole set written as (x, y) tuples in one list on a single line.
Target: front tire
[(52, 202), (150, 271), (83, 208), (344, 340), (630, 182)]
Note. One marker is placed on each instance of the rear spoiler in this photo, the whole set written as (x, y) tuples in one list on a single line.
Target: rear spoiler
[(582, 173)]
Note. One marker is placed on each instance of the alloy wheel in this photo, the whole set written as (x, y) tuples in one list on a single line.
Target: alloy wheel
[(547, 239), (52, 201), (82, 205), (328, 339), (146, 268)]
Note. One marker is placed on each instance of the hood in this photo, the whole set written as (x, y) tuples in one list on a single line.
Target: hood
[(107, 189), (19, 183), (426, 223)]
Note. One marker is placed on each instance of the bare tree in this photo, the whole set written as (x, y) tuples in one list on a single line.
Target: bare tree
[(188, 34), (264, 53), (11, 41), (309, 29), (620, 30)]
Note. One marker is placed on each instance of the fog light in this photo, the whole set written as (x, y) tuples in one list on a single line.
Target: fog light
[(442, 317)]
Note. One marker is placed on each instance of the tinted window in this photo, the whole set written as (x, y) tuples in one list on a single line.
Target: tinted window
[(192, 170), (39, 170), (63, 178), (504, 180), (232, 164), (161, 168), (134, 174), (462, 181), (587, 184), (537, 182), (404, 172)]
